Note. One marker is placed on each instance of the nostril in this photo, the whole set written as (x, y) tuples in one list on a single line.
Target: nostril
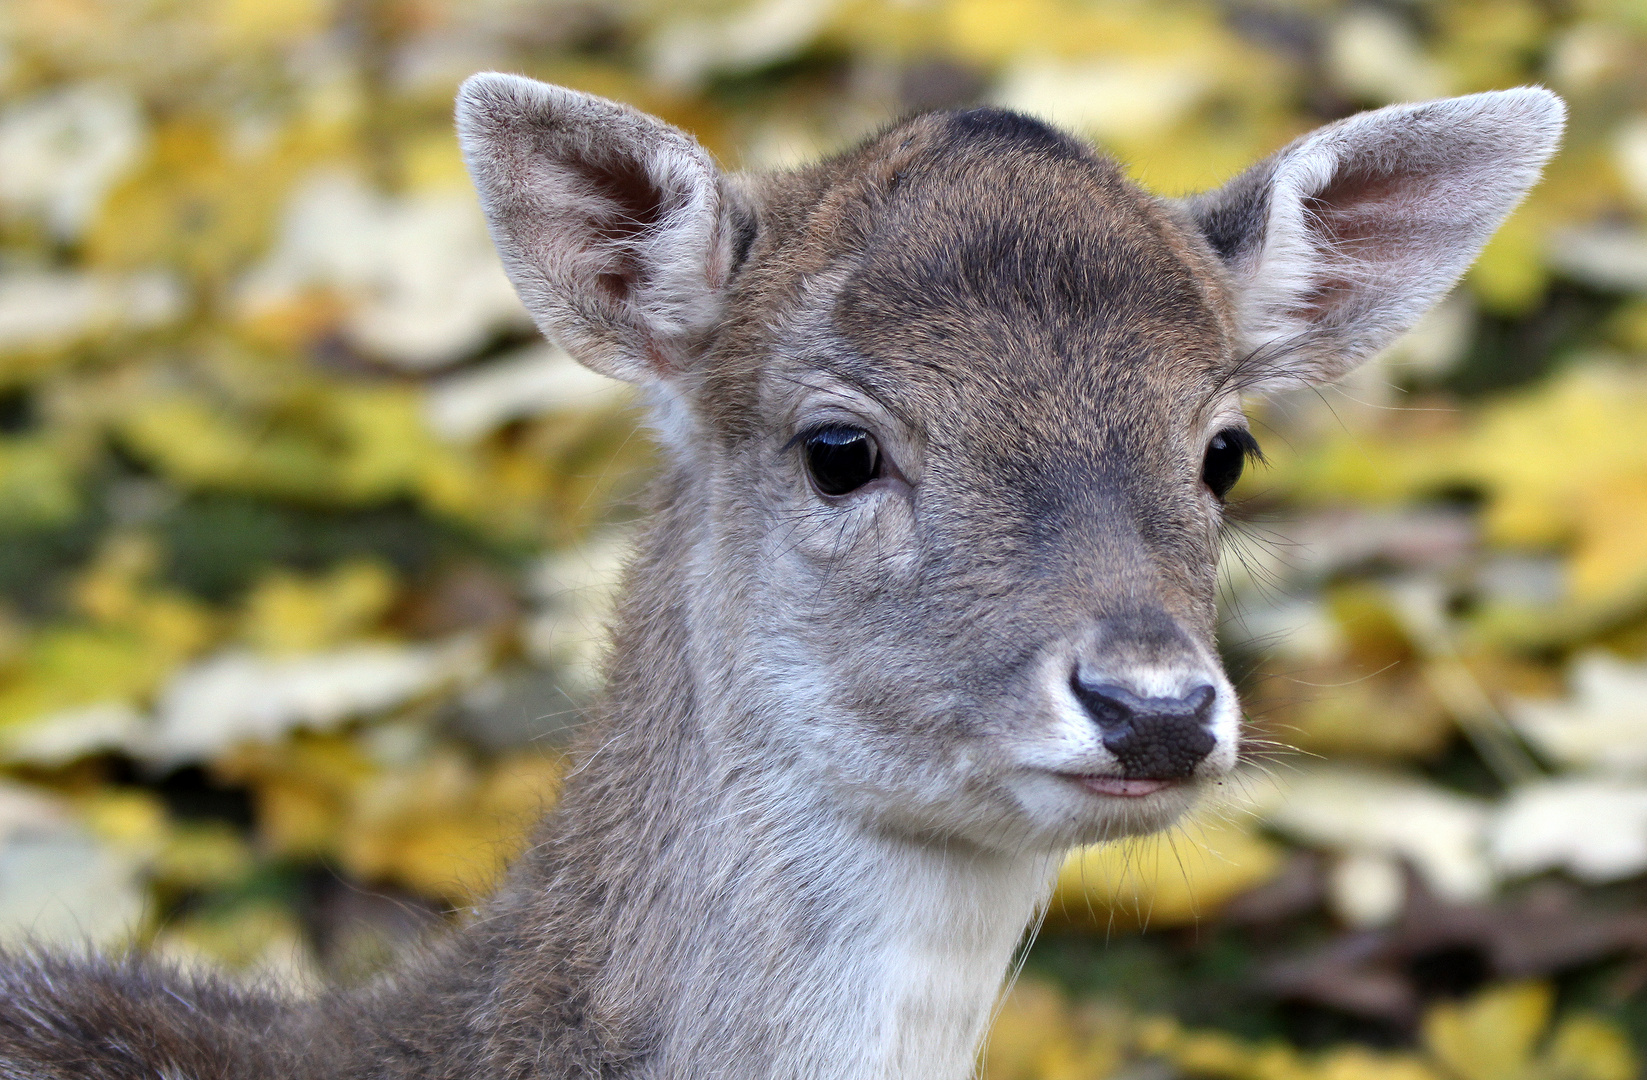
[(1111, 707), (1154, 738)]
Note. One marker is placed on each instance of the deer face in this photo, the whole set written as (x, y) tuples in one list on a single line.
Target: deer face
[(953, 416), (970, 472)]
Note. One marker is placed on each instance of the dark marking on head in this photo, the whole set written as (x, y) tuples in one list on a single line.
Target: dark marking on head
[(1006, 130), (1233, 218), (743, 238)]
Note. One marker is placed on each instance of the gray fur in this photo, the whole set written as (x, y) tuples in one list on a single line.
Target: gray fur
[(840, 754)]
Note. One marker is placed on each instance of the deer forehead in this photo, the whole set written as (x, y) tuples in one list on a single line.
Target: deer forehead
[(992, 281)]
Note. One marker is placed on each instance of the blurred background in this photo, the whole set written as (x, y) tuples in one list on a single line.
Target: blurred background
[(306, 539)]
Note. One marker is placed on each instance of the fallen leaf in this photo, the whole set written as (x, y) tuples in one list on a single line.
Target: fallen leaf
[(58, 884), (236, 696), (534, 381), (1164, 880), (1593, 827), (1601, 727), (1440, 833), (421, 284), (42, 310), (1493, 1036), (286, 613), (61, 152)]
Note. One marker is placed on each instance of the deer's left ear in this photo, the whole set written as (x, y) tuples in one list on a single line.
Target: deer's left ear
[(1338, 243), (615, 228)]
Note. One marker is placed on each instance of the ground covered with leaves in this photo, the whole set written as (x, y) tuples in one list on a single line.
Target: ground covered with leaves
[(305, 537)]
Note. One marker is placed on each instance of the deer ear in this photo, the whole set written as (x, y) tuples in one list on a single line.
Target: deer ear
[(612, 225), (1338, 243)]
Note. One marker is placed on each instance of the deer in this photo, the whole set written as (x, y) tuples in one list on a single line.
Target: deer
[(926, 596)]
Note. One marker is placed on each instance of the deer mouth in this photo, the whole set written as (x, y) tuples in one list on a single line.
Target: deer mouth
[(1122, 787)]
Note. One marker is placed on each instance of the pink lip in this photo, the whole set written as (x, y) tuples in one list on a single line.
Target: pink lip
[(1125, 789)]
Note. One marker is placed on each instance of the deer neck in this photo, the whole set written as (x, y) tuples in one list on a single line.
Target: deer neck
[(756, 928), (791, 955)]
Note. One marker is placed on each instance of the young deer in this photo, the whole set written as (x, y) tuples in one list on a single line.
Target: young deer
[(927, 595)]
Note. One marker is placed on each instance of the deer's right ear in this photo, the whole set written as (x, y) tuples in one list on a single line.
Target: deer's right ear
[(613, 226)]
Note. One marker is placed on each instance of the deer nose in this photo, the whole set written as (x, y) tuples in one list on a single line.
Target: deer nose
[(1154, 738)]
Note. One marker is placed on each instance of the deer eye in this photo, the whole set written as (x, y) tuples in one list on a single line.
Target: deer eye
[(841, 459), (1227, 453)]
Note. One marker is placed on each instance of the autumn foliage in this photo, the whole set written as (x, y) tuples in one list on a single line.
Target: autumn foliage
[(305, 537)]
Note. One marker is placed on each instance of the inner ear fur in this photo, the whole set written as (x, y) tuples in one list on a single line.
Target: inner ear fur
[(1338, 243), (611, 224)]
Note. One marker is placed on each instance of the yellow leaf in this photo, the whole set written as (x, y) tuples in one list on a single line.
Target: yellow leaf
[(287, 613), (296, 818), (433, 160), (387, 439), (1273, 1061), (175, 626), (1211, 1053), (1537, 450), (258, 936), (442, 828), (1367, 467), (1486, 42), (1352, 708), (1032, 1018), (522, 788), (1209, 149), (200, 445), (1156, 1035), (202, 855), (195, 206), (38, 483), (1360, 1063), (992, 31), (129, 818), (1071, 1060), (1491, 1036), (1610, 556), (248, 24), (453, 859), (304, 787), (1163, 880), (294, 323), (69, 666), (116, 592), (1588, 1048), (1510, 275)]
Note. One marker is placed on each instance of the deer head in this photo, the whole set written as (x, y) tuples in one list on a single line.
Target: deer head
[(951, 419)]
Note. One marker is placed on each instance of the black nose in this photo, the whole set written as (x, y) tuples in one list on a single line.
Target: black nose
[(1153, 738)]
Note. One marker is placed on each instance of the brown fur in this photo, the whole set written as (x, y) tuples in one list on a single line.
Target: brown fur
[(811, 708)]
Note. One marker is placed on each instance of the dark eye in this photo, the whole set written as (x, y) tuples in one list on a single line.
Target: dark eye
[(1227, 453), (841, 459)]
